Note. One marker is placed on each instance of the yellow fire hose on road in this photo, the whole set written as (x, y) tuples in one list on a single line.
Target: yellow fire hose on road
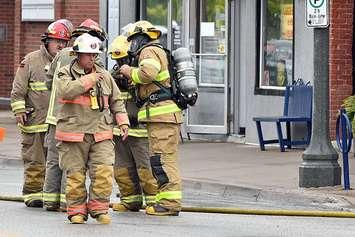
[(232, 210)]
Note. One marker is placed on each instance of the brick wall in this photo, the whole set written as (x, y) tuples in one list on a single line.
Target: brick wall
[(79, 10), (25, 37), (340, 68), (6, 47)]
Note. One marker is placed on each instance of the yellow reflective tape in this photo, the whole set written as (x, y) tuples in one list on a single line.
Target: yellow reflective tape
[(150, 199), (33, 128), (33, 196), (51, 120), (135, 77), (132, 198), (18, 105), (154, 111), (170, 195), (151, 62), (163, 76), (38, 86), (125, 95), (62, 198), (140, 132), (51, 197), (116, 131)]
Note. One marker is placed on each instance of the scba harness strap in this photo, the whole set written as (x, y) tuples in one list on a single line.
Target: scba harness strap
[(165, 93)]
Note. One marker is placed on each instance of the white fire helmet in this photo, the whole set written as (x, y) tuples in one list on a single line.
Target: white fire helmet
[(86, 43)]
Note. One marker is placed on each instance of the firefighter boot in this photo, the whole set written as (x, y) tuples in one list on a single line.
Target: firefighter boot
[(77, 219), (157, 210), (51, 207), (103, 218), (34, 203), (120, 207)]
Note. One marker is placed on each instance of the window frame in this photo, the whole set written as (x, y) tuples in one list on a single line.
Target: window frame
[(30, 10), (268, 90)]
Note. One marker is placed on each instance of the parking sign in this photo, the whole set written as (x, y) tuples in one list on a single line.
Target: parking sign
[(317, 13)]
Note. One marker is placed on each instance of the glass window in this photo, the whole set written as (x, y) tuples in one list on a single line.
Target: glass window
[(37, 10), (276, 51), (156, 12), (208, 40), (177, 24)]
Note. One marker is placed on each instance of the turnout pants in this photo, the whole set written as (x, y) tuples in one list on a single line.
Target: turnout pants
[(54, 183), (163, 147), (76, 158), (33, 155), (132, 172)]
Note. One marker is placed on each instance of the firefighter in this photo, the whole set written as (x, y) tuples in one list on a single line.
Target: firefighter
[(132, 170), (29, 102), (161, 114), (89, 97), (54, 184)]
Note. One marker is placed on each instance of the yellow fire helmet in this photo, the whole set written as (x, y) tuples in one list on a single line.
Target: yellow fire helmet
[(119, 47), (144, 27)]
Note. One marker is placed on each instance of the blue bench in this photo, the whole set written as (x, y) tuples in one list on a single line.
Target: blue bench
[(297, 108)]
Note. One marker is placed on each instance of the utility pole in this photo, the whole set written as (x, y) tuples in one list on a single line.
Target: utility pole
[(320, 166)]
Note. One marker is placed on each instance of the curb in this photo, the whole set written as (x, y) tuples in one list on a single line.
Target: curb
[(10, 162), (232, 195), (202, 193)]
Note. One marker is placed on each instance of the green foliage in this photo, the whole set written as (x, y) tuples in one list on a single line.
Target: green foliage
[(214, 9), (177, 10), (349, 105), (157, 12)]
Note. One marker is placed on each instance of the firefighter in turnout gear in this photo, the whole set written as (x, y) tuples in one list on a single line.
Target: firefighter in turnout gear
[(90, 98), (162, 116), (132, 170), (29, 102), (54, 184)]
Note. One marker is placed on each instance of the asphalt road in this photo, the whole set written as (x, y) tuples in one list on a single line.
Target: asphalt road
[(18, 221)]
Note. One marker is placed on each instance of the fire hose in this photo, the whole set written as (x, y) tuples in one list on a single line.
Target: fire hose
[(241, 211)]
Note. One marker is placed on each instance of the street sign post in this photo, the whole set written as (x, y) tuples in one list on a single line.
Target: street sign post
[(317, 13), (319, 167)]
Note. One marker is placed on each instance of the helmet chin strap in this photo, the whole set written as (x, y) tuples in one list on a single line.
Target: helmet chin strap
[(137, 42)]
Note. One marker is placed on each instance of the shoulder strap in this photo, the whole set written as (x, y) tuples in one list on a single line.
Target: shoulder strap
[(170, 62)]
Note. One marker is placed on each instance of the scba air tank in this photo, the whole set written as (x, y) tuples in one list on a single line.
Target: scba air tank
[(185, 72)]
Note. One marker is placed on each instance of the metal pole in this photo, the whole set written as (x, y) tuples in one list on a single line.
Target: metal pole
[(320, 160), (344, 140)]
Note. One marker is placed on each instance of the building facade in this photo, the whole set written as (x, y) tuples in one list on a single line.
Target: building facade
[(245, 52)]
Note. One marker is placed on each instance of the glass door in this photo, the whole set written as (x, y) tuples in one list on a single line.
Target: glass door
[(207, 39), (200, 25), (157, 12)]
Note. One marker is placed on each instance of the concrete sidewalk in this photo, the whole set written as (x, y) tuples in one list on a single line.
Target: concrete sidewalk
[(228, 169)]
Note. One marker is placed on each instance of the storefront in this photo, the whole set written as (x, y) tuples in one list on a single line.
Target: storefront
[(245, 52)]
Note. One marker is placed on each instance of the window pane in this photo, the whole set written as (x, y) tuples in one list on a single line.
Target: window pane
[(277, 52), (156, 11), (202, 113), (211, 68), (177, 24), (213, 26)]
